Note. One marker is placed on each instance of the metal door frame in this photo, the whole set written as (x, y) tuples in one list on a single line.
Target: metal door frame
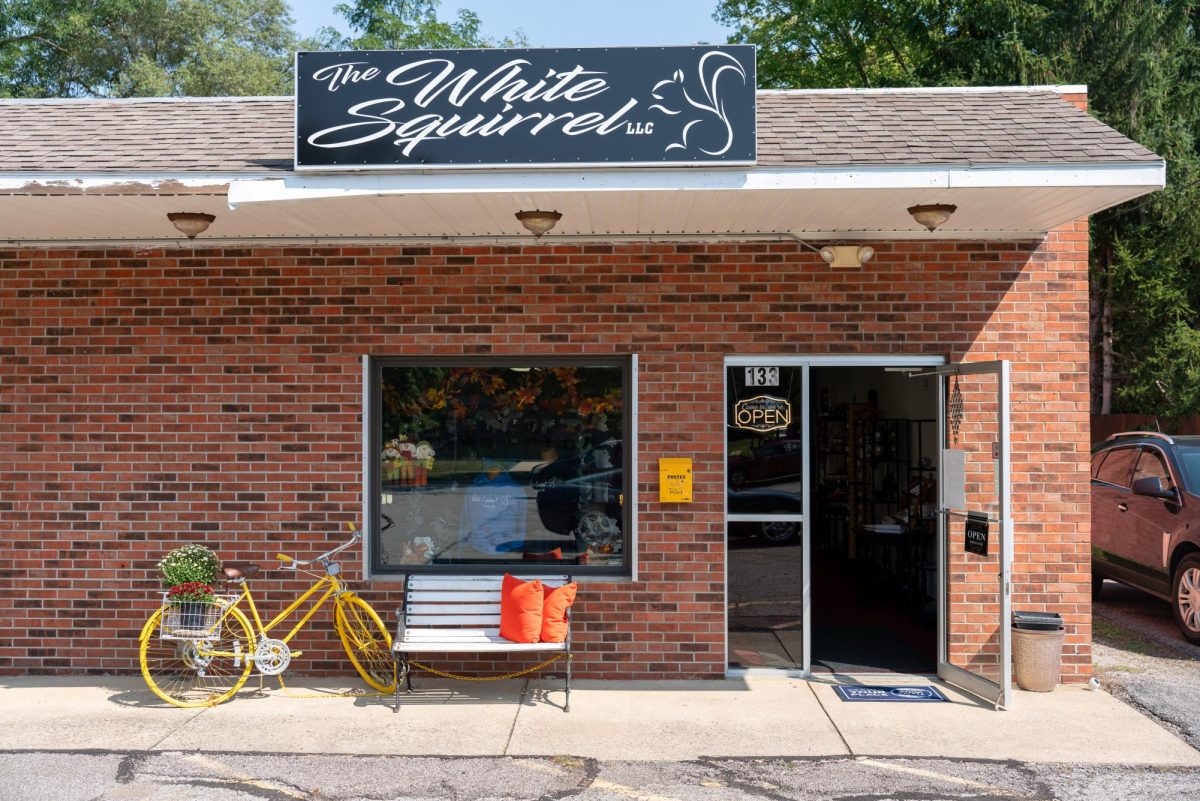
[(916, 361), (998, 694)]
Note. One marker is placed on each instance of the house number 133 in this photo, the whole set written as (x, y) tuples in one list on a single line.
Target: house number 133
[(762, 376)]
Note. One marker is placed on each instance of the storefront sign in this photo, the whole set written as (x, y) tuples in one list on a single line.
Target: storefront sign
[(576, 106), (675, 480), (762, 413), (976, 534)]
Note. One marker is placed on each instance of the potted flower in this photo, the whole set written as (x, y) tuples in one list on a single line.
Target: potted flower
[(191, 604), (189, 563)]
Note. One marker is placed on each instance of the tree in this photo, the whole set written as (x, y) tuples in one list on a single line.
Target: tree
[(407, 25), (127, 48), (1141, 61)]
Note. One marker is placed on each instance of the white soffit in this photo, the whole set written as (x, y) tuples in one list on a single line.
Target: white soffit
[(1006, 202)]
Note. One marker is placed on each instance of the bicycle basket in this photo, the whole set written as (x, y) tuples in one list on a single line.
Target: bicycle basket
[(192, 620)]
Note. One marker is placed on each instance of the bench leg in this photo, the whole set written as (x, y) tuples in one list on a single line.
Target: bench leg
[(567, 703)]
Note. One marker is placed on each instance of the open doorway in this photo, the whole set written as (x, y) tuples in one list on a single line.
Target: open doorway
[(874, 530)]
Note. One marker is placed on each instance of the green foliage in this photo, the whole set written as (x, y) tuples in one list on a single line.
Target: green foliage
[(128, 48), (407, 25), (1141, 62), (189, 563)]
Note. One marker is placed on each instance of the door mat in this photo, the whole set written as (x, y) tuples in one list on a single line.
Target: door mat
[(907, 694)]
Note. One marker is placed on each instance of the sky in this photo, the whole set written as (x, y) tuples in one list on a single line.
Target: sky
[(563, 23)]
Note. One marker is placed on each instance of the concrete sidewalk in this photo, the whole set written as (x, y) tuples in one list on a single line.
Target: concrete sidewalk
[(608, 720)]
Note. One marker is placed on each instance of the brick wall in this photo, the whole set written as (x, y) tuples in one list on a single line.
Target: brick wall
[(150, 398)]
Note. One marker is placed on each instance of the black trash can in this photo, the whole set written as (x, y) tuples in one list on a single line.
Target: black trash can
[(1037, 640)]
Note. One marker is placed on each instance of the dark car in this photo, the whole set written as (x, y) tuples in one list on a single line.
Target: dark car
[(775, 461), (582, 495), (770, 502), (1146, 519)]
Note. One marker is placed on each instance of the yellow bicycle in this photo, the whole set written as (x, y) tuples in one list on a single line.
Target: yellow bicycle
[(201, 657)]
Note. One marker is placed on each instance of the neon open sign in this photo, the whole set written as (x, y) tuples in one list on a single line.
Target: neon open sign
[(762, 413)]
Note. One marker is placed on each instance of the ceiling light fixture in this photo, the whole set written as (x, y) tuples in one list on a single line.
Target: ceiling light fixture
[(190, 223), (932, 215), (539, 222), (846, 257)]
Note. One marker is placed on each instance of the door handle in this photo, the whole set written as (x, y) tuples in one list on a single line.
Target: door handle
[(1124, 507)]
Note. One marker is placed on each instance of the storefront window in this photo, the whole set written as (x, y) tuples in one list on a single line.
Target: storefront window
[(481, 466)]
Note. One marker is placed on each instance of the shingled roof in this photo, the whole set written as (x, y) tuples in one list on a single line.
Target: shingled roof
[(795, 129)]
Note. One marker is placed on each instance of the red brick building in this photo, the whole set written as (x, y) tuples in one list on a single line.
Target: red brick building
[(241, 390)]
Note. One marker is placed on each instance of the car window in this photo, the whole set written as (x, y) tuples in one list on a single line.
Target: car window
[(1096, 460), (1116, 466), (1189, 464), (1151, 465)]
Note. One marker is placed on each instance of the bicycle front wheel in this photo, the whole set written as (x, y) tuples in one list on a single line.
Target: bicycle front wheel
[(197, 672), (367, 642)]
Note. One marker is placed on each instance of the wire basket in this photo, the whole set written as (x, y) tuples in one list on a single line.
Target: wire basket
[(192, 620)]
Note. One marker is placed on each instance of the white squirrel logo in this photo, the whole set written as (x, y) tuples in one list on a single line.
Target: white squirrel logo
[(710, 73)]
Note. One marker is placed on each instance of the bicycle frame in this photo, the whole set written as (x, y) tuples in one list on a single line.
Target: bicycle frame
[(334, 587)]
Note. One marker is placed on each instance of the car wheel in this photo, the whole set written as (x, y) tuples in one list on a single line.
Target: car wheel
[(1097, 585), (737, 479), (778, 531), (1185, 595)]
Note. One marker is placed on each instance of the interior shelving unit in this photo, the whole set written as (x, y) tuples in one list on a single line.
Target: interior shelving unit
[(876, 482)]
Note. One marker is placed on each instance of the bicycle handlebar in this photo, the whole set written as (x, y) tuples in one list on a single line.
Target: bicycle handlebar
[(292, 564)]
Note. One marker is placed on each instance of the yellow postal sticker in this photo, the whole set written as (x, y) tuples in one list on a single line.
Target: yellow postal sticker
[(675, 480)]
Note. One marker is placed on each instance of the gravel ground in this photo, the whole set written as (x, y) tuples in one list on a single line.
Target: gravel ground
[(1140, 656)]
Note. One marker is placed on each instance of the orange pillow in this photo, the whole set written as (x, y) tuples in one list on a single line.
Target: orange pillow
[(520, 609), (554, 613)]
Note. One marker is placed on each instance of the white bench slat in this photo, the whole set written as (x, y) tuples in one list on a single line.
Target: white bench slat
[(476, 641), (455, 596), (473, 582), (481, 635), (453, 620), (418, 607)]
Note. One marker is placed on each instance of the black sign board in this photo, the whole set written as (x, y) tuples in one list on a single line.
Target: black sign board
[(389, 109), (976, 534)]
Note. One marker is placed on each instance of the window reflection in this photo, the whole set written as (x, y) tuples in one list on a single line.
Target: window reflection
[(501, 464)]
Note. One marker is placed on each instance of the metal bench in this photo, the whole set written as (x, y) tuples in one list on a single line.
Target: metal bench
[(458, 615)]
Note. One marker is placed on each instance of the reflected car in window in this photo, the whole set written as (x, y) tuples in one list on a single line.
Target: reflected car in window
[(765, 502), (1146, 519), (775, 461), (583, 496)]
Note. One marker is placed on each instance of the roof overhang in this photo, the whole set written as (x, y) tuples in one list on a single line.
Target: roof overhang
[(994, 202)]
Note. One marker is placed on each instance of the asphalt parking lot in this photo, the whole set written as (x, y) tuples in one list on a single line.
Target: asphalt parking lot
[(1140, 657)]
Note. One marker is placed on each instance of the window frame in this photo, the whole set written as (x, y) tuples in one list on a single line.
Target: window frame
[(372, 434)]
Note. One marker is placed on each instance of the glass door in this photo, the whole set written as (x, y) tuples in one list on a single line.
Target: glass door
[(766, 474), (975, 530)]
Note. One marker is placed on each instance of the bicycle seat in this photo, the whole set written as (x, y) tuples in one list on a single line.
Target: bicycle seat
[(236, 570)]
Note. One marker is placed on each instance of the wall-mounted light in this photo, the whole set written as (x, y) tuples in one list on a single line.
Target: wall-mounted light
[(932, 215), (846, 257), (539, 222), (190, 223)]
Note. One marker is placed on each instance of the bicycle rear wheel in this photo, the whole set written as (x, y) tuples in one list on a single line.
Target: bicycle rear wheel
[(196, 672), (367, 642)]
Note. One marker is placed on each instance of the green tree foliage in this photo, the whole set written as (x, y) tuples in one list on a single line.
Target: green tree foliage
[(407, 25), (1141, 62), (130, 48)]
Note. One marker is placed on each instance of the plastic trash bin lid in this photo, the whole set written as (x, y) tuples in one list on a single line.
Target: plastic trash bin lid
[(1037, 621)]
